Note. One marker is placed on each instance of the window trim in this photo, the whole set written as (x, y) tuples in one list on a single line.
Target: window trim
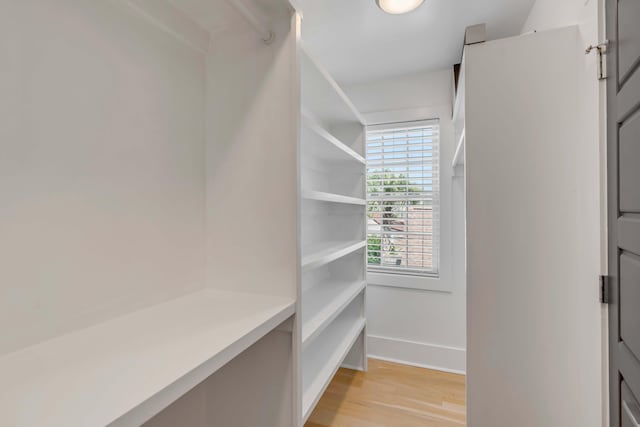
[(415, 279), (422, 282)]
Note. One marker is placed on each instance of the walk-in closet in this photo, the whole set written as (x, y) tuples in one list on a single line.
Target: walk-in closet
[(319, 213)]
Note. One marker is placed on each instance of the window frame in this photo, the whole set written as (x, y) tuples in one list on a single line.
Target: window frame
[(413, 278)]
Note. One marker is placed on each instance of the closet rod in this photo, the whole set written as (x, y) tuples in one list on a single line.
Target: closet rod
[(266, 35)]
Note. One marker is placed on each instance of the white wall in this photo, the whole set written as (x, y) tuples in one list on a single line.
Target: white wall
[(421, 327), (251, 144), (102, 165), (589, 16), (533, 222), (548, 14)]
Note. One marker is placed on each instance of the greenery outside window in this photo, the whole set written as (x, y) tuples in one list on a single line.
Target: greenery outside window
[(403, 197)]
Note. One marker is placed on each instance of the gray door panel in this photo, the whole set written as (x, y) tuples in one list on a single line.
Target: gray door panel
[(629, 174), (629, 233), (630, 301), (623, 175), (627, 98), (630, 408), (629, 37), (627, 370)]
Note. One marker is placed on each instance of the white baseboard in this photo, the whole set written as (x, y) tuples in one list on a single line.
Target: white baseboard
[(424, 355)]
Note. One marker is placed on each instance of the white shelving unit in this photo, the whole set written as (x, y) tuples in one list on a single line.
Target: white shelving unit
[(333, 326), (141, 287), (324, 303), (335, 149), (325, 356), (320, 254), (322, 196)]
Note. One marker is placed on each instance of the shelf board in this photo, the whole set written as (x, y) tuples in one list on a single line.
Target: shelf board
[(126, 370), (322, 96), (332, 198), (339, 350), (458, 157), (323, 303), (324, 144), (322, 254)]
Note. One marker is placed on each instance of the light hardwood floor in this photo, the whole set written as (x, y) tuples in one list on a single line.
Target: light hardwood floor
[(392, 395)]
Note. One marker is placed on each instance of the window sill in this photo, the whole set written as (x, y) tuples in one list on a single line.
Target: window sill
[(406, 281)]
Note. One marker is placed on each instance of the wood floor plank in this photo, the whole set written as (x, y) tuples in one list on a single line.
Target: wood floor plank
[(392, 395)]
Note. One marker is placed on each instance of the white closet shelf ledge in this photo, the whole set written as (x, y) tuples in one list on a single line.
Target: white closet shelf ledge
[(124, 371), (328, 146), (332, 197), (323, 303), (314, 390), (322, 95), (322, 254)]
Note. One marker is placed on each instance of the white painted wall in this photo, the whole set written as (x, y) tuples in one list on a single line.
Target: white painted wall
[(548, 14), (102, 165), (533, 220), (252, 144), (589, 16), (412, 326)]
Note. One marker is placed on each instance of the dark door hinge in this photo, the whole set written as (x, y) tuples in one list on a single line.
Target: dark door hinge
[(604, 289)]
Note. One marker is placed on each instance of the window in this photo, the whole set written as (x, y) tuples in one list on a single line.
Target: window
[(403, 198)]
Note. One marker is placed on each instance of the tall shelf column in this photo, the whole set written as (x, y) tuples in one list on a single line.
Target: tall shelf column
[(333, 233)]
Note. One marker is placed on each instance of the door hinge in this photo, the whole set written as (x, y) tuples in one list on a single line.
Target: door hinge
[(601, 49), (604, 289)]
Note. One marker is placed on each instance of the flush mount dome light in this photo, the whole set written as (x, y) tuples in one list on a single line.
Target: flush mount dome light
[(396, 7)]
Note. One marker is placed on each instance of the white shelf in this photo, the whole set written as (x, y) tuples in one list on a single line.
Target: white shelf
[(458, 156), (324, 145), (325, 365), (323, 303), (127, 369), (322, 96), (332, 198), (321, 254)]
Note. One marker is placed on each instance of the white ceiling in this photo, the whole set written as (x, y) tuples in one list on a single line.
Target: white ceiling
[(358, 42)]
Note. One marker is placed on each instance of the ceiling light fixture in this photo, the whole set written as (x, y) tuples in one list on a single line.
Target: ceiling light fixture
[(396, 7)]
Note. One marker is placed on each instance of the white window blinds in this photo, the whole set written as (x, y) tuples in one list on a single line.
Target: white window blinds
[(403, 197)]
